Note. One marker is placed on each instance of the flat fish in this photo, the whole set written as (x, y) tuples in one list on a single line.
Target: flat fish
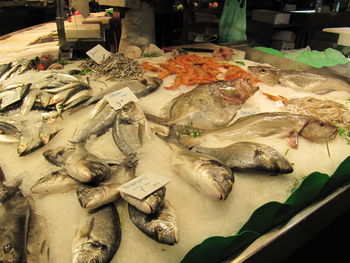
[(299, 80), (208, 106), (249, 156)]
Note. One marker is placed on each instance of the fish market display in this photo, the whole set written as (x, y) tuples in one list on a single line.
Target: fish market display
[(98, 237), (209, 106), (249, 156), (14, 215), (160, 226), (282, 124), (299, 80), (73, 151), (116, 67)]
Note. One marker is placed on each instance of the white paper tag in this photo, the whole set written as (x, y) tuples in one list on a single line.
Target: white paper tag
[(144, 185), (121, 97), (12, 97), (98, 54)]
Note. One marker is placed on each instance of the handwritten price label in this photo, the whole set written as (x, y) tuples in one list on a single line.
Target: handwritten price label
[(98, 54), (121, 97), (144, 185)]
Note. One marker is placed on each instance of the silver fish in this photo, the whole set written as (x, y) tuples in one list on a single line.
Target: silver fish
[(208, 175), (37, 245), (12, 86), (4, 68), (45, 98), (129, 128), (160, 226), (140, 88), (249, 156), (29, 101), (7, 128), (78, 100), (98, 236), (4, 138), (55, 182), (13, 225), (299, 80), (62, 77), (148, 205), (98, 126), (208, 106), (58, 156), (94, 197), (99, 106), (264, 124), (86, 167), (8, 73)]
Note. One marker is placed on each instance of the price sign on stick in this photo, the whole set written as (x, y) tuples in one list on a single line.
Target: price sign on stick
[(121, 97), (98, 54)]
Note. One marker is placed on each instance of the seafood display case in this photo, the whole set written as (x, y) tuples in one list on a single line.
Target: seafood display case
[(216, 140)]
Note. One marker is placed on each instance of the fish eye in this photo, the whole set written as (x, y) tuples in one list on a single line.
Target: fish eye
[(7, 248), (263, 70)]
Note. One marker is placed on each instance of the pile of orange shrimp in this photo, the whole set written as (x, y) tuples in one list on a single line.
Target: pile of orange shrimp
[(192, 69)]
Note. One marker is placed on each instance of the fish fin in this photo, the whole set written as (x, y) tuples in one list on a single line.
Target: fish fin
[(86, 228), (293, 140), (156, 119)]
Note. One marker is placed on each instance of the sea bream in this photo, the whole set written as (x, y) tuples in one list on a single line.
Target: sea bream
[(208, 106), (249, 156), (282, 124), (14, 215), (161, 226), (98, 237), (208, 175), (299, 80)]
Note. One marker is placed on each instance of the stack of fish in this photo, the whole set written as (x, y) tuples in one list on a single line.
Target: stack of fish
[(14, 68)]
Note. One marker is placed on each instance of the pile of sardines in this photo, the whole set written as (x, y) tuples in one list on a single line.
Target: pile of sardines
[(205, 112)]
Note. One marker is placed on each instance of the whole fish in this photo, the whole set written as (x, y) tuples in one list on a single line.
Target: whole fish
[(160, 226), (264, 124), (4, 68), (9, 72), (22, 93), (37, 244), (12, 86), (148, 205), (98, 237), (208, 175), (299, 80), (97, 126), (249, 156), (140, 88), (29, 101), (58, 156), (86, 167), (130, 129), (14, 217), (94, 197), (56, 182), (208, 106)]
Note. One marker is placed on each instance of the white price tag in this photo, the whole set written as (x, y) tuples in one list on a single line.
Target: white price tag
[(144, 185), (121, 97), (98, 54), (12, 97)]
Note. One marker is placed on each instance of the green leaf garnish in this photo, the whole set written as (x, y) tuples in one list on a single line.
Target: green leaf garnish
[(85, 71)]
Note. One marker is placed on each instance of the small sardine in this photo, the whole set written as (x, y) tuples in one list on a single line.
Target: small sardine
[(55, 182), (98, 237), (148, 205), (160, 226), (249, 156)]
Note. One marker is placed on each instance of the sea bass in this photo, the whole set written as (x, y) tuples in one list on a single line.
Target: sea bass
[(160, 226), (249, 156), (208, 106), (14, 215), (98, 236), (265, 124), (299, 80)]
